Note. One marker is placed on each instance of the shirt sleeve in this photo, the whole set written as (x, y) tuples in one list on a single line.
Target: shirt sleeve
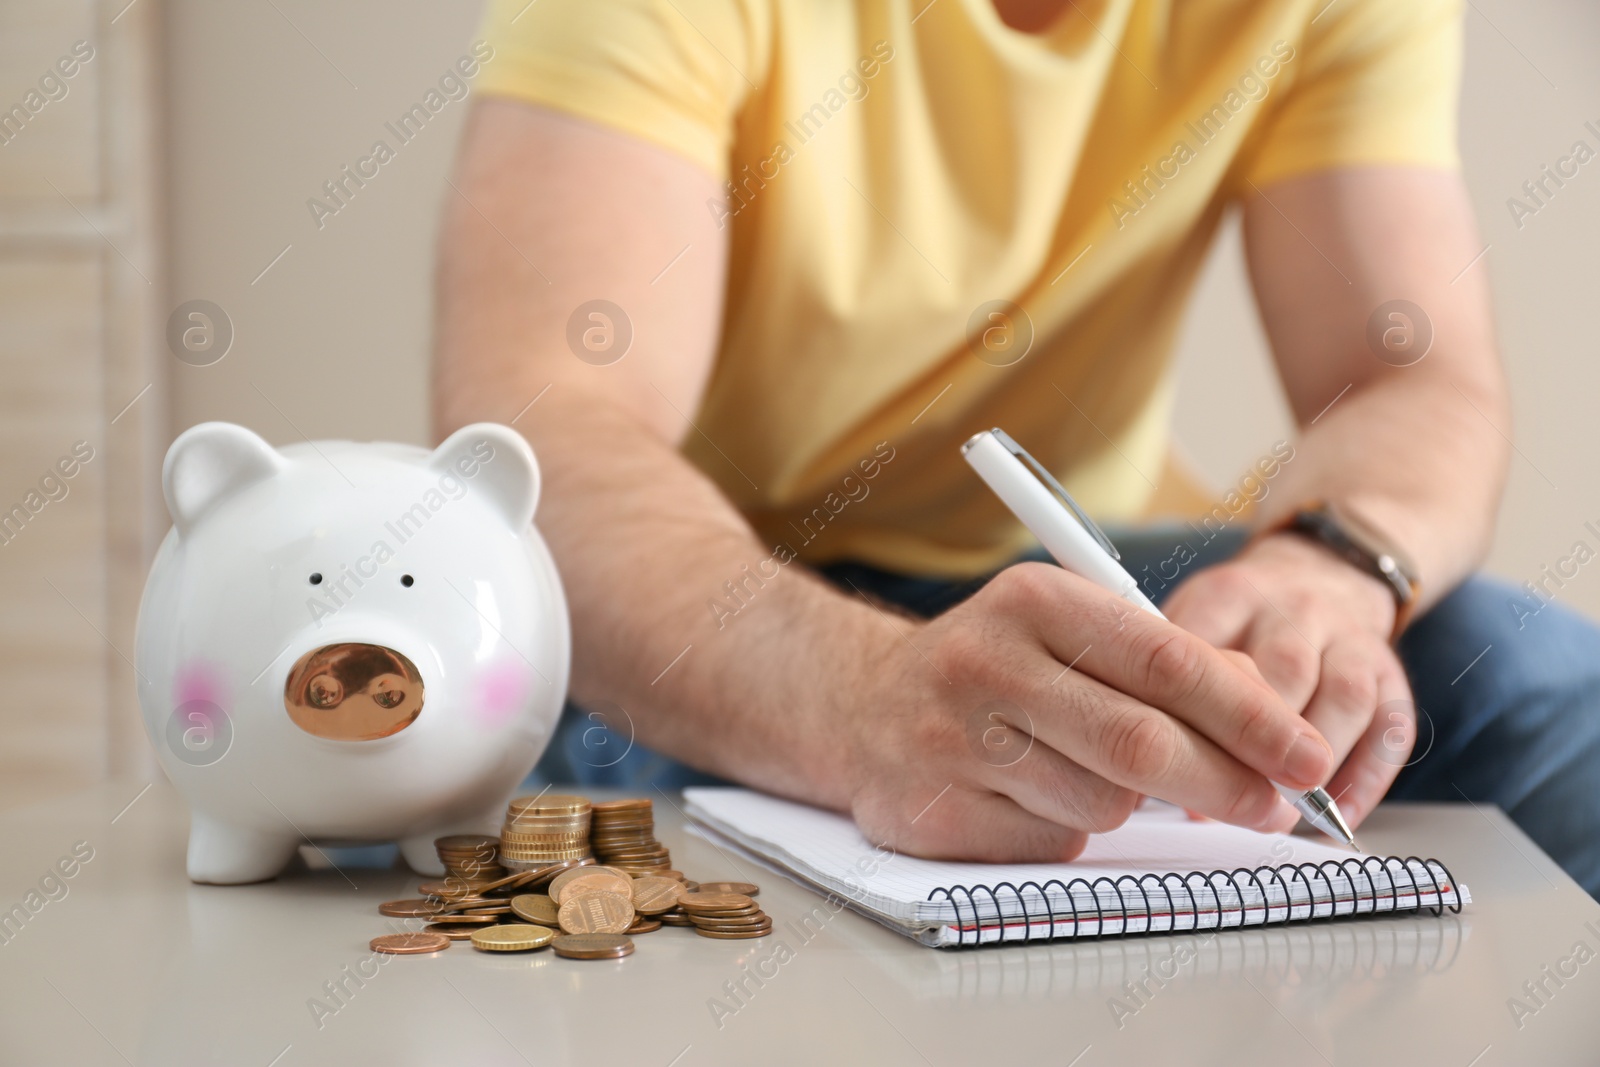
[(1376, 83), (672, 72)]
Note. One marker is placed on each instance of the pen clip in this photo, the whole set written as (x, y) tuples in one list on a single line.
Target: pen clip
[(1010, 445)]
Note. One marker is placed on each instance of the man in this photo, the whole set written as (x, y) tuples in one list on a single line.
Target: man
[(747, 273)]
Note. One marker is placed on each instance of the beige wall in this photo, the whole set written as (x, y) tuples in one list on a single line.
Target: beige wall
[(333, 339)]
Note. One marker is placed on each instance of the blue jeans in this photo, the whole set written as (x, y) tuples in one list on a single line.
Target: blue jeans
[(1508, 703)]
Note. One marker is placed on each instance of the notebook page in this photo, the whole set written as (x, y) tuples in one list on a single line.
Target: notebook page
[(1159, 841)]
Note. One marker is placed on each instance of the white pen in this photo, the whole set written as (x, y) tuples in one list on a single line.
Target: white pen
[(1072, 538)]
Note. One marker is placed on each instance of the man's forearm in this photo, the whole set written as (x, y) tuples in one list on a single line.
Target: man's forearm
[(1420, 458), (1413, 441), (644, 542)]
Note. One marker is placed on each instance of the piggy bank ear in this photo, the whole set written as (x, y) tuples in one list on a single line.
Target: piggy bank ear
[(209, 463), (494, 461)]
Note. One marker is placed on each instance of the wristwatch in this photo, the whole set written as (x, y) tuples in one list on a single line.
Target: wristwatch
[(1345, 535)]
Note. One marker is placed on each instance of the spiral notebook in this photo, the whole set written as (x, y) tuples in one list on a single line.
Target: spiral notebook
[(1157, 873)]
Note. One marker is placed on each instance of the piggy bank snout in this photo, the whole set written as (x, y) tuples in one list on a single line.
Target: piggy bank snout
[(353, 692)]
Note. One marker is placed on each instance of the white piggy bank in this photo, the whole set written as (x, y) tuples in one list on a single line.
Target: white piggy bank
[(344, 642)]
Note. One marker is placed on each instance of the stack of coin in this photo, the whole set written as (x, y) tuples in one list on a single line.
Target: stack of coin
[(470, 860), (543, 830), (623, 835), (597, 909), (725, 916)]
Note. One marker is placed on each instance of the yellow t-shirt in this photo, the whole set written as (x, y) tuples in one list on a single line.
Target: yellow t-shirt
[(899, 171)]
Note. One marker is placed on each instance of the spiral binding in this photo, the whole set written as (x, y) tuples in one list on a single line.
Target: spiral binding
[(1105, 907)]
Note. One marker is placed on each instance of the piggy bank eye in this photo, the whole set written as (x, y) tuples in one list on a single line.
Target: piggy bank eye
[(387, 692), (407, 581), (325, 691), (316, 577)]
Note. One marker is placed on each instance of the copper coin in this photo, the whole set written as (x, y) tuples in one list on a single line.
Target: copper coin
[(463, 903), (453, 932), (536, 908), (465, 842), (744, 922), (625, 804), (409, 909), (479, 920), (549, 871), (642, 926), (501, 883), (652, 896), (742, 888), (595, 879), (409, 944), (593, 946), (697, 901), (723, 913), (734, 935), (596, 913), (674, 919), (438, 889), (497, 909)]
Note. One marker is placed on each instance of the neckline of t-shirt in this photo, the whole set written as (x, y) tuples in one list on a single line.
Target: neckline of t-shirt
[(1043, 47)]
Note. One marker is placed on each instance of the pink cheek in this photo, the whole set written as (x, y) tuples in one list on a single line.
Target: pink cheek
[(501, 692), (199, 680)]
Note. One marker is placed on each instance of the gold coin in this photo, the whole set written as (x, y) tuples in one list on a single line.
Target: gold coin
[(593, 946), (589, 880), (652, 896), (549, 804), (742, 888), (536, 908), (596, 913), (511, 937), (409, 944), (409, 909)]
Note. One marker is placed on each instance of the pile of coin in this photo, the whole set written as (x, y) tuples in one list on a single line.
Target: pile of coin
[(543, 830), (623, 834), (470, 860), (580, 908)]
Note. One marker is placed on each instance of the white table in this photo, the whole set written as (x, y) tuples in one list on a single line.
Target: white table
[(136, 965)]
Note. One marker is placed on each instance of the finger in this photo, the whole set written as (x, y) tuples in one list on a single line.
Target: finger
[(1383, 750), (1165, 667), (1051, 786), (1142, 749), (1243, 661), (1215, 605), (1286, 657), (961, 823), (1342, 707)]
